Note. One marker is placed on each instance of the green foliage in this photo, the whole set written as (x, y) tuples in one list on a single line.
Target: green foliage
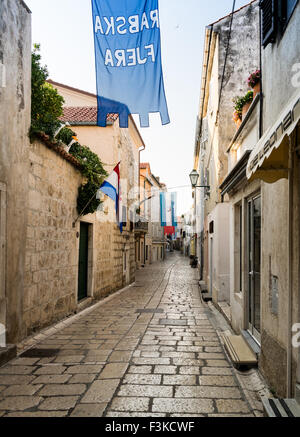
[(46, 103), (47, 108), (87, 203), (65, 135), (238, 105), (94, 172), (248, 97), (239, 102)]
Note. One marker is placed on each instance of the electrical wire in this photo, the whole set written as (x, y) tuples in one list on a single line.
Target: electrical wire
[(223, 77)]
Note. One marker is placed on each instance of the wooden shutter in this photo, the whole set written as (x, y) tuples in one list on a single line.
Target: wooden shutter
[(268, 21)]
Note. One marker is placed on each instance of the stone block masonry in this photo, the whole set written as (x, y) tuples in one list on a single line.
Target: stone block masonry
[(97, 372), (15, 91), (51, 255), (52, 244)]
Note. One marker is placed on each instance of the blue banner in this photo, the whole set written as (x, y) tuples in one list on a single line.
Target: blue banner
[(128, 60), (174, 209), (163, 218)]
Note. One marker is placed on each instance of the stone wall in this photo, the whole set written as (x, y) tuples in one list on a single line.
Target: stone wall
[(15, 108), (52, 248), (243, 59), (51, 255)]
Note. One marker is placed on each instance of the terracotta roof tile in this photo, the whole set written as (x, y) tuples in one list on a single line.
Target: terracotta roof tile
[(58, 149), (83, 114)]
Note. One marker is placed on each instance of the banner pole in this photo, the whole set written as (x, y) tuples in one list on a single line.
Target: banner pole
[(74, 223)]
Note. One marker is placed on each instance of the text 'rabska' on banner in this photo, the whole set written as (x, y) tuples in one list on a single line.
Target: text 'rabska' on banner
[(128, 60)]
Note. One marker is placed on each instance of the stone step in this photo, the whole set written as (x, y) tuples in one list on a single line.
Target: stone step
[(251, 342), (7, 353), (239, 351), (281, 407)]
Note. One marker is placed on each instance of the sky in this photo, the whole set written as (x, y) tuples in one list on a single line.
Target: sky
[(64, 30)]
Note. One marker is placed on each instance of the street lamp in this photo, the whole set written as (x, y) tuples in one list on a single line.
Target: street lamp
[(194, 176)]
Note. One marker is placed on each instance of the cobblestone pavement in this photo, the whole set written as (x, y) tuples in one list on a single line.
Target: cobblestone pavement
[(117, 361)]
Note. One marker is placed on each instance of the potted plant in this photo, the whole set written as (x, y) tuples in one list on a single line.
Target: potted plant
[(254, 82), (237, 118), (247, 100), (238, 109)]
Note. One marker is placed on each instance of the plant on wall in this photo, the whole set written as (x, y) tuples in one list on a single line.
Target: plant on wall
[(240, 102), (46, 103), (254, 78), (47, 108), (238, 106), (93, 171), (248, 97), (236, 116)]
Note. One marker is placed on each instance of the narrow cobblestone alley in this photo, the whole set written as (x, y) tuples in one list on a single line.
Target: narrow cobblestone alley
[(151, 350)]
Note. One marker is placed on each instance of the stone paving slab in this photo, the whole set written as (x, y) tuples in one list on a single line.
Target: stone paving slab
[(115, 360)]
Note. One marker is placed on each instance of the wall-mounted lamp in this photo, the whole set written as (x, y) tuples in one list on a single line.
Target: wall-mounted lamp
[(194, 176)]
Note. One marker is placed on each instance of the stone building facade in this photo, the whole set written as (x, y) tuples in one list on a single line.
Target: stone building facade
[(261, 190), (278, 171), (146, 186), (154, 245), (231, 53), (58, 241), (15, 108), (156, 230)]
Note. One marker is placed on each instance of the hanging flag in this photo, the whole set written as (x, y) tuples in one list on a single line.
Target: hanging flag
[(174, 209), (128, 60), (169, 230), (111, 187), (168, 209)]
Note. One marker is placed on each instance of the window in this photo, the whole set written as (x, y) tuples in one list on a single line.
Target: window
[(268, 21), (146, 253), (275, 15), (286, 8), (241, 247), (238, 248)]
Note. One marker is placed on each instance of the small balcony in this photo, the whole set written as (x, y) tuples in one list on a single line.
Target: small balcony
[(141, 225)]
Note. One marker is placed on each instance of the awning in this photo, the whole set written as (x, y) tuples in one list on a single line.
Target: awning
[(269, 159)]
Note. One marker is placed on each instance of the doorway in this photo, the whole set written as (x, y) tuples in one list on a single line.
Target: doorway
[(83, 261), (254, 266), (2, 262), (126, 266), (211, 266)]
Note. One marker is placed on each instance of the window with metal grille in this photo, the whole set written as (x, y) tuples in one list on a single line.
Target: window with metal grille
[(269, 15)]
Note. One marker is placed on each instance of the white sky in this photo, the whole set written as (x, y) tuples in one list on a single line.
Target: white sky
[(64, 30)]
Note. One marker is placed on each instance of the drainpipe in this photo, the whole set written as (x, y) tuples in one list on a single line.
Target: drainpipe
[(297, 390), (261, 102), (290, 274)]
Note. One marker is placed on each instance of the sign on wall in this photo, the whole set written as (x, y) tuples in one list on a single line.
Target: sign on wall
[(128, 60)]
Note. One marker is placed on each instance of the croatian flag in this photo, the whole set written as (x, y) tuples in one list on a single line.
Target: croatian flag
[(111, 187)]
